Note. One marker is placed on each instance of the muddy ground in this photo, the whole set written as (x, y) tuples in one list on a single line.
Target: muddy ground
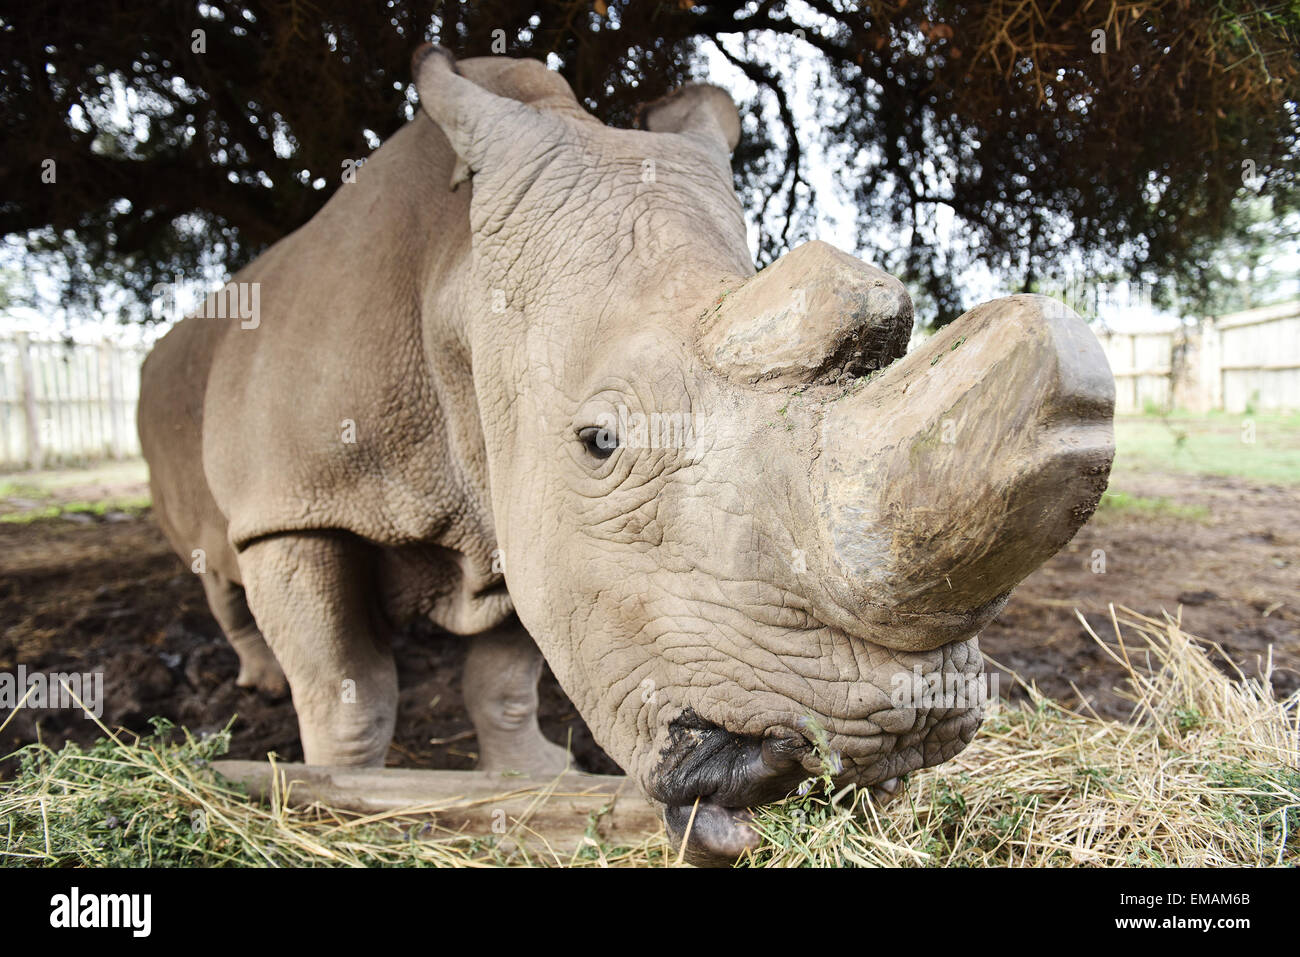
[(104, 593)]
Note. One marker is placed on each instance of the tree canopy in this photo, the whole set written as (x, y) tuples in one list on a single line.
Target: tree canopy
[(148, 140)]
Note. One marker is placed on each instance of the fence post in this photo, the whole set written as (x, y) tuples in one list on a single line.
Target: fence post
[(111, 361), (1212, 363), (35, 454)]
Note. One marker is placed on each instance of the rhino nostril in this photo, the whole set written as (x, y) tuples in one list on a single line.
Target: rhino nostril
[(784, 752)]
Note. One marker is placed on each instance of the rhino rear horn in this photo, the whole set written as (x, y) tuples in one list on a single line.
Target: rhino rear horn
[(814, 315)]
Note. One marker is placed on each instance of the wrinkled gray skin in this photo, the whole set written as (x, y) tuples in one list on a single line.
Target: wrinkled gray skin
[(698, 604)]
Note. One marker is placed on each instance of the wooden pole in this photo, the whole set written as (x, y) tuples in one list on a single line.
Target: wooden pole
[(536, 812)]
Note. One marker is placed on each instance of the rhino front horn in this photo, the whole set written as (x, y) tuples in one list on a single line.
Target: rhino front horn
[(954, 474), (814, 315)]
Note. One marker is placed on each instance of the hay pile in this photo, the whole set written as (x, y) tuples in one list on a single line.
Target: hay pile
[(1206, 773)]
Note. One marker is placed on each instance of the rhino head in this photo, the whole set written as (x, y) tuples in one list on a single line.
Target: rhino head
[(734, 516)]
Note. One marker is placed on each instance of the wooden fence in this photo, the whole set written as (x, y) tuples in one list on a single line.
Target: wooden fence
[(67, 403), (1244, 361)]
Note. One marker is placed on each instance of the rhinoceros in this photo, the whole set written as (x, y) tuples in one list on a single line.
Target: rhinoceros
[(522, 378)]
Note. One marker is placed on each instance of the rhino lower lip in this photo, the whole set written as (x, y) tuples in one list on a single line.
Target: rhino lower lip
[(717, 835), (886, 791), (713, 834)]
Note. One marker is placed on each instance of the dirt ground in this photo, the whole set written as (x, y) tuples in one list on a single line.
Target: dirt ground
[(103, 592), (1231, 572)]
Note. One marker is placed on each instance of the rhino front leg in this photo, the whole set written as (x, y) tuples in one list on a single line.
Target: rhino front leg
[(500, 689), (309, 593)]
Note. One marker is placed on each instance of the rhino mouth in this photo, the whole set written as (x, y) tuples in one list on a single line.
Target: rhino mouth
[(710, 780), (716, 835)]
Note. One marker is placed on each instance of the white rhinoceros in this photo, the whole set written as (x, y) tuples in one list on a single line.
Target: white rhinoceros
[(557, 406)]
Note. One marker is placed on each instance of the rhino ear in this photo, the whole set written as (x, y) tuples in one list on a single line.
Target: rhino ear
[(475, 121), (698, 109)]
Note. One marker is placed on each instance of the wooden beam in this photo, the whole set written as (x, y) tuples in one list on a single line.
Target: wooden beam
[(539, 813)]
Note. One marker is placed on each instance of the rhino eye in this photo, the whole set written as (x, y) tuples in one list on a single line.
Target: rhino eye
[(599, 443)]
